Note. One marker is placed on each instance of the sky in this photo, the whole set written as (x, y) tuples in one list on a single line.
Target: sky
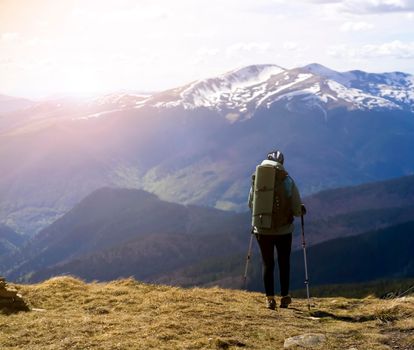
[(82, 47)]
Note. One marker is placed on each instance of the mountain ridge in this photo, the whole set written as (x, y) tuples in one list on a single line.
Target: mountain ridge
[(123, 232), (233, 93), (53, 155), (110, 217), (388, 89), (381, 254)]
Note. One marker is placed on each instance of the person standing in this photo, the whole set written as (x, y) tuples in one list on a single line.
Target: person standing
[(274, 200)]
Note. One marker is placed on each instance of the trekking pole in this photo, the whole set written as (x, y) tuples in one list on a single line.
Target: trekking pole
[(249, 254), (304, 257)]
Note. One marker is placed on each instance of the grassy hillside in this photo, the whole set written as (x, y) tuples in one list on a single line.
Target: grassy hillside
[(386, 289), (126, 314)]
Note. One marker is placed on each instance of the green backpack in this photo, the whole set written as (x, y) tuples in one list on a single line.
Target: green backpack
[(272, 205)]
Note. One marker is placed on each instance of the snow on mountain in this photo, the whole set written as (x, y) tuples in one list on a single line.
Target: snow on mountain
[(121, 100), (232, 85), (277, 88), (229, 92), (239, 93), (115, 102), (369, 90), (318, 69), (359, 98)]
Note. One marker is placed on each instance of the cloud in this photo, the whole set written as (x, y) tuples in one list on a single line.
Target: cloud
[(9, 36), (243, 48), (201, 34), (6, 61), (378, 6), (204, 51), (393, 49), (323, 1), (204, 55), (368, 6), (38, 41), (356, 26), (290, 45)]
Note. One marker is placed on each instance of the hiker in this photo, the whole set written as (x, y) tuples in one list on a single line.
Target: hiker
[(274, 200)]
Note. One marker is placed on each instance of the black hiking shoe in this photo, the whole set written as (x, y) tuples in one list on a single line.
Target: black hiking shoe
[(285, 301), (271, 304)]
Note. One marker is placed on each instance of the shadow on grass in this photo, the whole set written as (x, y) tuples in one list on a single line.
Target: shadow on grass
[(358, 318)]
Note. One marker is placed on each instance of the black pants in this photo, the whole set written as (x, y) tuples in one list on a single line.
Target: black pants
[(283, 245)]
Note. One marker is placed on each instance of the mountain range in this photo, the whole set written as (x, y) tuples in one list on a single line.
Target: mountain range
[(377, 255), (199, 143), (137, 229), (238, 94), (115, 233)]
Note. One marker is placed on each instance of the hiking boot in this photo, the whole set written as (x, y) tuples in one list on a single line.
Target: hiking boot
[(271, 304), (285, 301)]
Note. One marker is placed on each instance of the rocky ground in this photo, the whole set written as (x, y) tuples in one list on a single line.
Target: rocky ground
[(67, 313)]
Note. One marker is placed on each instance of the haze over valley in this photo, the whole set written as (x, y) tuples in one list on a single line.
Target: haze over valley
[(199, 143), (103, 187)]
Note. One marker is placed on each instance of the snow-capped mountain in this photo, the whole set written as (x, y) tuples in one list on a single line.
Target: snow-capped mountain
[(239, 93), (198, 144), (369, 90), (233, 91)]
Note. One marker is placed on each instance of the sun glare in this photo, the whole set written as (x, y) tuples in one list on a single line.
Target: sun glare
[(81, 83), (49, 47)]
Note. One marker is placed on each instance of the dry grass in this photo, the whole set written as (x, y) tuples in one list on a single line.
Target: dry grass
[(126, 314)]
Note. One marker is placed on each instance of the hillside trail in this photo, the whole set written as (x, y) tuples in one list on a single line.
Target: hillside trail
[(126, 314)]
